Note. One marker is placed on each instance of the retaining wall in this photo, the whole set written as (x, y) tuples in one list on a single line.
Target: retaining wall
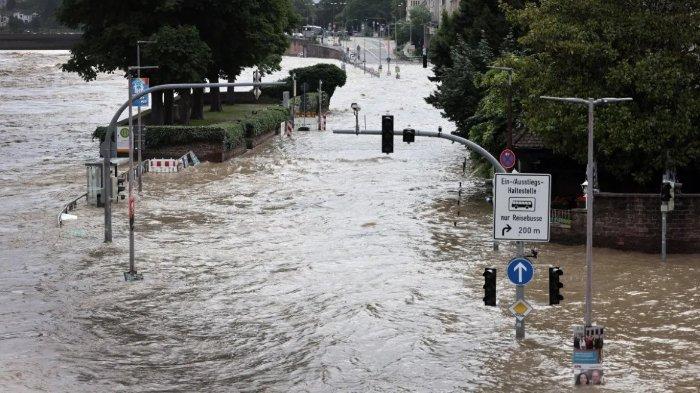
[(299, 47), (38, 41)]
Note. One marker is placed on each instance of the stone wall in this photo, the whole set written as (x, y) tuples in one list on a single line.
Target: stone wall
[(299, 47), (633, 222)]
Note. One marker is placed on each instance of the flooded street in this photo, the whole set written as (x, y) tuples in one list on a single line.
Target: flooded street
[(314, 263)]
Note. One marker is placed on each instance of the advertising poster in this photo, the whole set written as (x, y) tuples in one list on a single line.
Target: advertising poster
[(588, 355), (137, 86)]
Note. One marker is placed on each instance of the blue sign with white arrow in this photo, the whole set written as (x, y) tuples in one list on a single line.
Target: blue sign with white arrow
[(520, 271)]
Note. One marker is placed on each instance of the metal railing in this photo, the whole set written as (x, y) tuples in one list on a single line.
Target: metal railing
[(69, 207), (560, 216)]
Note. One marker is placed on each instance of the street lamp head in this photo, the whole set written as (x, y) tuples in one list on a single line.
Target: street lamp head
[(355, 107)]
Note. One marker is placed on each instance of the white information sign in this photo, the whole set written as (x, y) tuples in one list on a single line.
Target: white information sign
[(521, 206), (122, 139)]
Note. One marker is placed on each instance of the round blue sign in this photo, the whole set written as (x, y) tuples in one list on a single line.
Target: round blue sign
[(507, 158), (520, 271)]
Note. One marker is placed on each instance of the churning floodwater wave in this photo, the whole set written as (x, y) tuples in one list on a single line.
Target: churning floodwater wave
[(315, 263)]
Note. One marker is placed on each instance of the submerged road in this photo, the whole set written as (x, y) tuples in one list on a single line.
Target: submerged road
[(313, 264)]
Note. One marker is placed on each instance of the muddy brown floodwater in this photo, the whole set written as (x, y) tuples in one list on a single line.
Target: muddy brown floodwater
[(315, 263)]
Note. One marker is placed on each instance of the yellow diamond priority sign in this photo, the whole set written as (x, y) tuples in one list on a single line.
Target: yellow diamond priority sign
[(520, 309)]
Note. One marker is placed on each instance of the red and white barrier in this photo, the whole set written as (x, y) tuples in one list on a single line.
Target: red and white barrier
[(162, 165)]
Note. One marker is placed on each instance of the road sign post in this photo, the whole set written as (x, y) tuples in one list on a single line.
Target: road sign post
[(521, 213)]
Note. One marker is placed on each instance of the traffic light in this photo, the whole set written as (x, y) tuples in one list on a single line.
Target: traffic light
[(666, 191), (555, 285), (120, 185), (490, 286), (409, 135), (387, 134)]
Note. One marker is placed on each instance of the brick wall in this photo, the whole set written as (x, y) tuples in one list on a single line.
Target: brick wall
[(633, 222)]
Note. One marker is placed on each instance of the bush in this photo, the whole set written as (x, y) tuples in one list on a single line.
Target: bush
[(230, 133), (331, 75), (311, 102)]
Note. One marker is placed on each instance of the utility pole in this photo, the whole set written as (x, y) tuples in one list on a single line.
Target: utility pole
[(138, 119), (590, 103)]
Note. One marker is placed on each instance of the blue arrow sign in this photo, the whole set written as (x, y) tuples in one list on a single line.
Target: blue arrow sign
[(520, 271)]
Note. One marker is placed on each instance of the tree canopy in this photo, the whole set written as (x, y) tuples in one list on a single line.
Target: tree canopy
[(239, 33), (583, 48), (594, 48)]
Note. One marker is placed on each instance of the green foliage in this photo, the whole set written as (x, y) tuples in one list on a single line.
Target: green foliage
[(182, 55), (475, 21), (466, 44), (306, 9), (368, 9), (310, 103), (240, 33), (596, 48), (331, 75), (420, 16), (461, 91), (228, 133)]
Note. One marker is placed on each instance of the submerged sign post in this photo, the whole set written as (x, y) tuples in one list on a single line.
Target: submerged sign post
[(521, 207), (521, 213)]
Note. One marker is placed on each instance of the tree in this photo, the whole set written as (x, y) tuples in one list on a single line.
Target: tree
[(461, 90), (597, 48), (306, 9), (16, 25), (368, 9), (327, 12), (466, 44), (475, 20), (419, 17), (183, 57), (239, 33)]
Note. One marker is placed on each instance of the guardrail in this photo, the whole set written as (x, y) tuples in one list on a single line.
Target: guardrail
[(69, 207)]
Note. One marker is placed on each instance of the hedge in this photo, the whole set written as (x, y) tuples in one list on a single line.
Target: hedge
[(331, 75), (230, 133)]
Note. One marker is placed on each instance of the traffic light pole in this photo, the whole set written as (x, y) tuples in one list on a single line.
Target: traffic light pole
[(519, 295), (497, 167)]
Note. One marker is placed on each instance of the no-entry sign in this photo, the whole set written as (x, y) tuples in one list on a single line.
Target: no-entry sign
[(521, 206)]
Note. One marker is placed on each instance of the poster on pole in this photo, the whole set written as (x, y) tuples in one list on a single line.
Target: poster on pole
[(137, 86), (587, 355)]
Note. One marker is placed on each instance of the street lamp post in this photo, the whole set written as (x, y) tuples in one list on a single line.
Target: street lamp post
[(590, 103)]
